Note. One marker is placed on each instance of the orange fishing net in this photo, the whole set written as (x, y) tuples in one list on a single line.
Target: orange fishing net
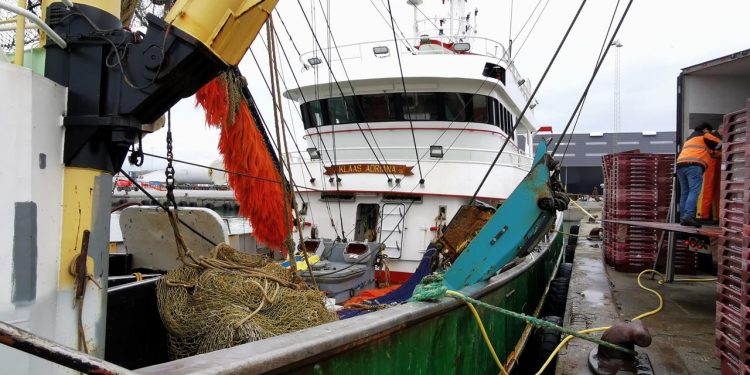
[(241, 144)]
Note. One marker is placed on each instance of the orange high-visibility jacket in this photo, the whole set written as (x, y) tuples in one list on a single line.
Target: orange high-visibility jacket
[(698, 149)]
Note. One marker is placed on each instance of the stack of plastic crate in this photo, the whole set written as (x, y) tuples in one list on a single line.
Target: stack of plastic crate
[(632, 184), (733, 287)]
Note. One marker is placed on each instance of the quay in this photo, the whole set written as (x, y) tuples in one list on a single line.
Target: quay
[(683, 332)]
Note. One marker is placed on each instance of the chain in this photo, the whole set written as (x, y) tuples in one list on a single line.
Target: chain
[(169, 171)]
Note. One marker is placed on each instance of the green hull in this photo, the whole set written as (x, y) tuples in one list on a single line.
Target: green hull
[(414, 338)]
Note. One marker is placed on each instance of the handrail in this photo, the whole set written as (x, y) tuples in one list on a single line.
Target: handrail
[(21, 12)]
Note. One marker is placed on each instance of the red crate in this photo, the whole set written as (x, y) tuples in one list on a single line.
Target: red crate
[(731, 297), (733, 366)]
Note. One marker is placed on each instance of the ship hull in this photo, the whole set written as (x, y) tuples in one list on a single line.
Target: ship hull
[(421, 338)]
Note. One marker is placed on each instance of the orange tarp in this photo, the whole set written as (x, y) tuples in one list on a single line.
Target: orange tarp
[(370, 294)]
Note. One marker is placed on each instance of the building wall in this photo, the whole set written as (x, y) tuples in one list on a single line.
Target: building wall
[(581, 164)]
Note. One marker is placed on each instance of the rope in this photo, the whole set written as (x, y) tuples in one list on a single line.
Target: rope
[(484, 334), (432, 289)]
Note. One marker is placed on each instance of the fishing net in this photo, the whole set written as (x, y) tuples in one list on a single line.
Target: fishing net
[(230, 298)]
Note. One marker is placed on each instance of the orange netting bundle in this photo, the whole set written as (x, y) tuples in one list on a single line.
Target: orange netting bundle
[(261, 198)]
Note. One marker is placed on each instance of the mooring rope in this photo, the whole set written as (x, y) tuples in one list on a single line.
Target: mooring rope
[(432, 289)]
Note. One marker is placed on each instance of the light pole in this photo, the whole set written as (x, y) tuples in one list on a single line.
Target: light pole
[(616, 120)]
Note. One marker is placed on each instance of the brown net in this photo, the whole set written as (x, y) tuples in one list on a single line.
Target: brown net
[(230, 298)]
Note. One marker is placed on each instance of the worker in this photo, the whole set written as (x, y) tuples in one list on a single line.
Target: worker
[(691, 163)]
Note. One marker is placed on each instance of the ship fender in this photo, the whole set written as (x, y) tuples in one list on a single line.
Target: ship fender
[(544, 342)]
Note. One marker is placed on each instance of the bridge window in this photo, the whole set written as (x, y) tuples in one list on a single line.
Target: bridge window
[(342, 110), (428, 106), (420, 107), (377, 108)]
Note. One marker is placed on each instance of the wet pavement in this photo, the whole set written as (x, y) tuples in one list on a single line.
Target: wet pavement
[(683, 332)]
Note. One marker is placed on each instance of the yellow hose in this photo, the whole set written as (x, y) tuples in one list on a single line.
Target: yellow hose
[(644, 315), (484, 332), (585, 331)]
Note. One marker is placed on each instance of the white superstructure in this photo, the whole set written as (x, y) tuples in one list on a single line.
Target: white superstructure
[(460, 103)]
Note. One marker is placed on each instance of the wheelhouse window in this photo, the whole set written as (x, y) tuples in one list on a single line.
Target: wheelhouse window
[(456, 106), (378, 108), (420, 106), (342, 110), (423, 106)]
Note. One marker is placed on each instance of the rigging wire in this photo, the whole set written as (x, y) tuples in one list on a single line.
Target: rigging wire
[(527, 20), (225, 170), (343, 97), (330, 37), (389, 26), (533, 26), (531, 98), (286, 125), (163, 207), (397, 26), (593, 75), (510, 63), (320, 138), (601, 50), (287, 32), (403, 83), (425, 17)]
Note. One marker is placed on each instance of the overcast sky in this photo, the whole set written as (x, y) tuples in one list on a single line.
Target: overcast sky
[(659, 37)]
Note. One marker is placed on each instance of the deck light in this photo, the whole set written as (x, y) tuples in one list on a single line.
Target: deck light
[(461, 47), (314, 153), (314, 61), (436, 152), (381, 51)]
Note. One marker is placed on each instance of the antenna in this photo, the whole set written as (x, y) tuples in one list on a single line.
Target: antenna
[(415, 4)]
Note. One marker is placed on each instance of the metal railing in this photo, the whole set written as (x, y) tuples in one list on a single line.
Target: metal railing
[(365, 50), (20, 27)]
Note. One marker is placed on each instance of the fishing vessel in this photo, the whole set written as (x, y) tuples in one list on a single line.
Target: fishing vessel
[(56, 272), (401, 131)]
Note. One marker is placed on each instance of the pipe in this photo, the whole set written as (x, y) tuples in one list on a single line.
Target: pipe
[(20, 33), (40, 347), (13, 27), (21, 12)]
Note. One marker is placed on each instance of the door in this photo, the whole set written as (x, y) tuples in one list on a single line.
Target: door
[(392, 226), (366, 225)]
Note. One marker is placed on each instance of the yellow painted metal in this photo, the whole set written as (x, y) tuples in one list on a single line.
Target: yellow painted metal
[(77, 216), (226, 27), (20, 32), (110, 6)]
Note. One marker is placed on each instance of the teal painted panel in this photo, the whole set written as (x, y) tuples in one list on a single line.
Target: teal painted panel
[(507, 231)]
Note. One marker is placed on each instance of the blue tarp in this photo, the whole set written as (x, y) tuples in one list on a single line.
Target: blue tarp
[(400, 295)]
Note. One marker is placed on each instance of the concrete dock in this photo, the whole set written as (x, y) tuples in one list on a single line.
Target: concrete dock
[(683, 332)]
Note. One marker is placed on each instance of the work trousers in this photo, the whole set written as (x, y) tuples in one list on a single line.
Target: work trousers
[(691, 180)]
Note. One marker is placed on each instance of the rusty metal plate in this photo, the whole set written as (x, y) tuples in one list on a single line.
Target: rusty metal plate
[(461, 230)]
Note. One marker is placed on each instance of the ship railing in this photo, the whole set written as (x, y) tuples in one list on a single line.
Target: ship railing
[(19, 25), (380, 49), (477, 46), (514, 158)]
